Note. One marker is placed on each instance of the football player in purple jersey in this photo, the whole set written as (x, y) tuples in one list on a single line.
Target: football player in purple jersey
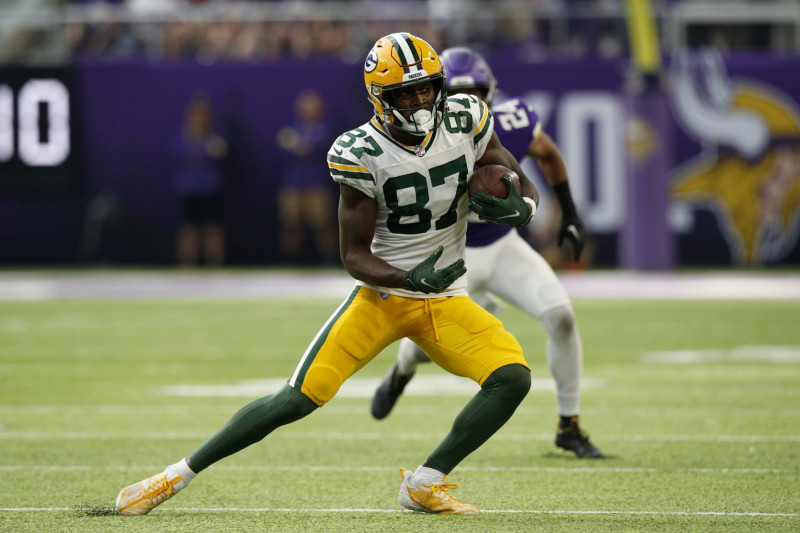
[(527, 280)]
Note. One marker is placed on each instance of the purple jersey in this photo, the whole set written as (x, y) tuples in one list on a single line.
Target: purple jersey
[(516, 124), (199, 164), (304, 145)]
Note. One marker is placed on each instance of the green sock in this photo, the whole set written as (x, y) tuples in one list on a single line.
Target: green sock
[(252, 423), (485, 413)]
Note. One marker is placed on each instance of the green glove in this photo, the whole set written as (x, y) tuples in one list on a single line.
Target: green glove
[(512, 210), (425, 278)]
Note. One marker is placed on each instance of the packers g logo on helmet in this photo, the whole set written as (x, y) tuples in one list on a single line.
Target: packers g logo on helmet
[(403, 60), (372, 61)]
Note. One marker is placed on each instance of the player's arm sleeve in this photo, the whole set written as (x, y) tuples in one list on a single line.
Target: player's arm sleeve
[(346, 170)]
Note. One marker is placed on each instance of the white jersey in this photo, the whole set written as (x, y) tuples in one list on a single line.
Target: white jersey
[(421, 190)]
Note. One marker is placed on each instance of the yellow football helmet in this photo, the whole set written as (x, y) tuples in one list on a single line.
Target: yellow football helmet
[(403, 60)]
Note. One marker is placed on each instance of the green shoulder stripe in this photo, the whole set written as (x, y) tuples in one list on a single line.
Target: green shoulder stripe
[(364, 176), (342, 161)]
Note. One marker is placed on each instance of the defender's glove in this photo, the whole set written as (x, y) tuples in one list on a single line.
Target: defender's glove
[(425, 278), (513, 210), (572, 231)]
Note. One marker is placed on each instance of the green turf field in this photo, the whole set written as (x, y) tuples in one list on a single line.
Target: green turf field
[(711, 444)]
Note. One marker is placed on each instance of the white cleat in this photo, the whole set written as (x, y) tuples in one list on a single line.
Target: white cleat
[(144, 496), (432, 497)]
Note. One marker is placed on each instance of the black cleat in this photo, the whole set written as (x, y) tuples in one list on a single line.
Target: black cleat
[(387, 393), (572, 439)]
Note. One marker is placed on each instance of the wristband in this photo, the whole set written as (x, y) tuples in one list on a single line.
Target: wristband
[(565, 198), (532, 204)]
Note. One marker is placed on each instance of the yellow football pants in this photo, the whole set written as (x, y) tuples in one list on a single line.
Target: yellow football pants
[(455, 332)]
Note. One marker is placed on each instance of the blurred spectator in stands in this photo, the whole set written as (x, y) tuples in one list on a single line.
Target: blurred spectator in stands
[(300, 39), (274, 39), (306, 199), (246, 42), (107, 39), (179, 39), (207, 30), (516, 33), (596, 28), (199, 152)]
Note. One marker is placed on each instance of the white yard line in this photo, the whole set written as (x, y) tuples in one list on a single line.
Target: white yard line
[(788, 355), (357, 510), (438, 385), (328, 436), (343, 408), (344, 469)]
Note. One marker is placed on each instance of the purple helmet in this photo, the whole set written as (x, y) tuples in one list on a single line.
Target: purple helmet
[(467, 69)]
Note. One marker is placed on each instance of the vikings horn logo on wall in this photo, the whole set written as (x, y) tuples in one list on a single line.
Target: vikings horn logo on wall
[(748, 170)]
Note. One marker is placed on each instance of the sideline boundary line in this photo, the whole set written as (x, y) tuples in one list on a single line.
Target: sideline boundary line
[(720, 284)]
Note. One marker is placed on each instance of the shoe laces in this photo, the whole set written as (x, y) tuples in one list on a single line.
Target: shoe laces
[(160, 489), (442, 489)]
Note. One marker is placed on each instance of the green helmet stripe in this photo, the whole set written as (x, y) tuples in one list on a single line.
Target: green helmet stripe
[(399, 49), (413, 48), (405, 48)]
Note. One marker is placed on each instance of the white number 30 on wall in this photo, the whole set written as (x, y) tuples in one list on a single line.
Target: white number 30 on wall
[(42, 138)]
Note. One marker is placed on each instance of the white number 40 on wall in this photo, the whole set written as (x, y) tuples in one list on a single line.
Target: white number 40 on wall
[(42, 136)]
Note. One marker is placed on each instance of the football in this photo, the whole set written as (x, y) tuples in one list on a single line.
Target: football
[(490, 179)]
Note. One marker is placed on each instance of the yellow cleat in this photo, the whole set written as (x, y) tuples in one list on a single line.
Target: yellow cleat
[(144, 496), (431, 498)]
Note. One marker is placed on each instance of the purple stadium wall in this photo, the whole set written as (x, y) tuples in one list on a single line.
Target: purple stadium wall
[(733, 200)]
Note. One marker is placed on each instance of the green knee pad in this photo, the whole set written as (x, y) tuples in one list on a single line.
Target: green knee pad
[(511, 381)]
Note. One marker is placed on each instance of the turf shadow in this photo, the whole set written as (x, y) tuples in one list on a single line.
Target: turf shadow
[(93, 510)]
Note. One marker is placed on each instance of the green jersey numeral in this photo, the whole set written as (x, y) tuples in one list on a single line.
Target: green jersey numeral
[(347, 139), (418, 182), (458, 122)]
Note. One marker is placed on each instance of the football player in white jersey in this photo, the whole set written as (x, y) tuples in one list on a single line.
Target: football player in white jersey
[(501, 263), (402, 210)]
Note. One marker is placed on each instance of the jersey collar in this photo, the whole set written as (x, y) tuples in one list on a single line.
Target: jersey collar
[(418, 150)]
